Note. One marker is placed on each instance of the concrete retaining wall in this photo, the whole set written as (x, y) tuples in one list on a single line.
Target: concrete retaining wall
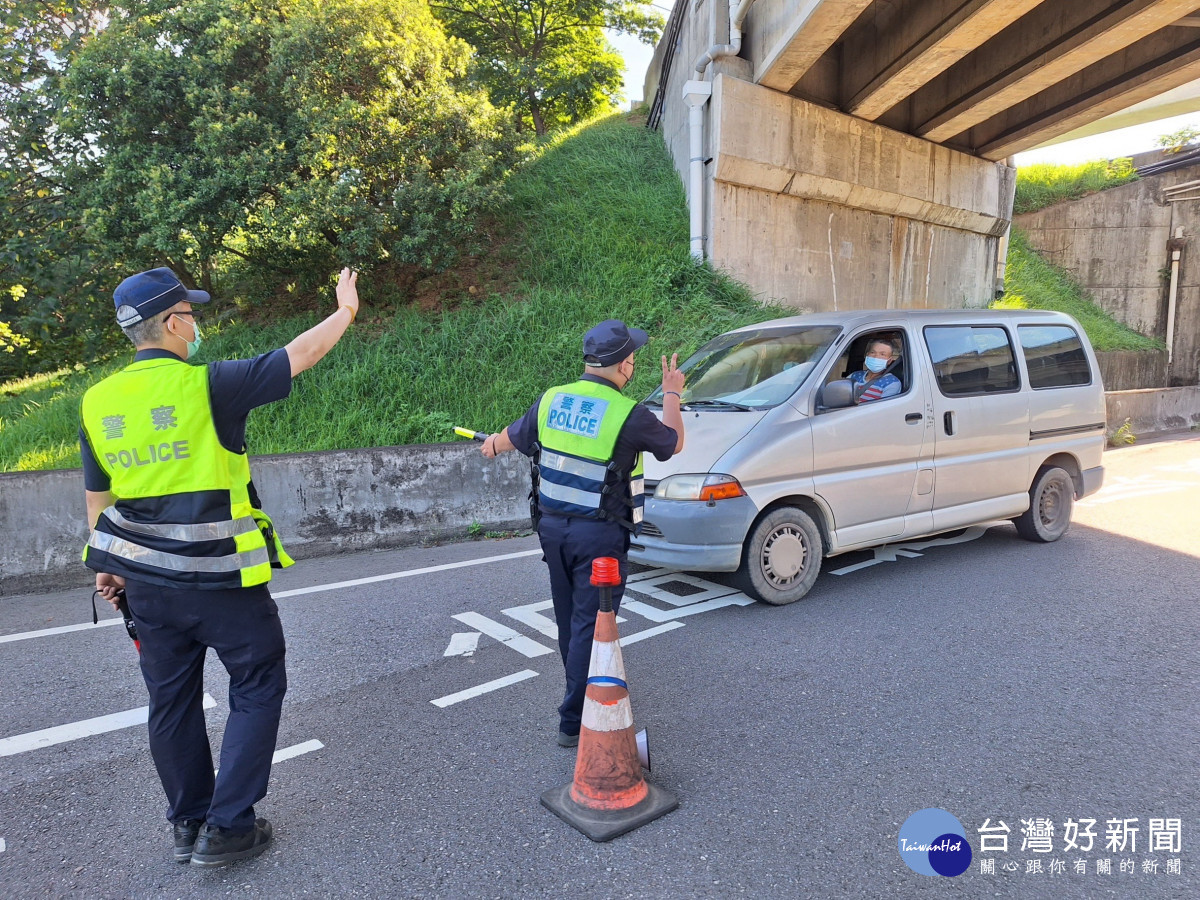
[(321, 503), (1154, 411), (1115, 244), (1132, 370)]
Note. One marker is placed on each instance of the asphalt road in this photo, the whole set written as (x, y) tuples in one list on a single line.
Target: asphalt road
[(993, 678)]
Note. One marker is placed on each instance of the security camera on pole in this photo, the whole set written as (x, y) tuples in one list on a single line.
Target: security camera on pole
[(609, 795)]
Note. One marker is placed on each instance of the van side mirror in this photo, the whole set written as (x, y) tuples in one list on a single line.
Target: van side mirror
[(838, 394)]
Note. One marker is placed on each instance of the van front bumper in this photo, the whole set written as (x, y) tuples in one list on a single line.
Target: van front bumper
[(693, 535)]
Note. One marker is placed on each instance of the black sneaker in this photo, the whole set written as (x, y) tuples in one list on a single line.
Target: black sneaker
[(568, 740), (185, 836), (217, 847)]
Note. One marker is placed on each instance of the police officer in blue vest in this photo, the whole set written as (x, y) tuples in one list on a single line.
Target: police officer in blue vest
[(177, 527), (588, 440)]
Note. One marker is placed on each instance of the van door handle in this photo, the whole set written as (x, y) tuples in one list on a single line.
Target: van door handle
[(913, 418), (948, 422)]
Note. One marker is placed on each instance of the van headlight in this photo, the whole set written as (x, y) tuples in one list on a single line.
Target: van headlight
[(698, 487)]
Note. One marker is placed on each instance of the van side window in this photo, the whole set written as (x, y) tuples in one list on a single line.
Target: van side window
[(1054, 356), (972, 359)]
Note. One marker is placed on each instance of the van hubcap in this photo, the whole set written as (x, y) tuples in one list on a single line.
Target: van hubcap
[(783, 554), (1052, 504)]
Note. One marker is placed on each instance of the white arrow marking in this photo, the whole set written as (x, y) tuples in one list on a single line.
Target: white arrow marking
[(505, 635), (462, 643), (73, 731), (892, 552)]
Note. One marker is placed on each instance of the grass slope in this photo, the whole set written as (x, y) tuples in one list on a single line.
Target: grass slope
[(1045, 184), (596, 228)]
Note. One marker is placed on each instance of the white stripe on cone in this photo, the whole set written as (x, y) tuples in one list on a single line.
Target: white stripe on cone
[(606, 660), (607, 716)]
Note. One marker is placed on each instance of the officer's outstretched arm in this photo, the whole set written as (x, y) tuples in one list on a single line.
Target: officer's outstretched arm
[(307, 349), (672, 385), (497, 443)]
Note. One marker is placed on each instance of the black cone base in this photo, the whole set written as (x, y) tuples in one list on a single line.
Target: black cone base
[(606, 824)]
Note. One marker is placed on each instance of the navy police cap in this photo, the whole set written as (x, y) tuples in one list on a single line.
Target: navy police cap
[(610, 342), (146, 294)]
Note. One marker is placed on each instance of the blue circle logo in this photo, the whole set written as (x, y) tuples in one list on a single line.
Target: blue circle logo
[(933, 842)]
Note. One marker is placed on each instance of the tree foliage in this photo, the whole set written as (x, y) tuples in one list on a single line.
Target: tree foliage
[(549, 59), (249, 145)]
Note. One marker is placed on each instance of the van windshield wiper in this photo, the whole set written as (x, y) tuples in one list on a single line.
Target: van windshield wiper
[(727, 404)]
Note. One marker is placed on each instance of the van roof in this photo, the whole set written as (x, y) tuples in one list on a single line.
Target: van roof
[(918, 317)]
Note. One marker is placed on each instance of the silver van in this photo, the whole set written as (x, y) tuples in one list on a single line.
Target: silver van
[(998, 414)]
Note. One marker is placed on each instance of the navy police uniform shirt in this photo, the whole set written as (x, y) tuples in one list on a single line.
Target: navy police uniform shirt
[(235, 386), (641, 433)]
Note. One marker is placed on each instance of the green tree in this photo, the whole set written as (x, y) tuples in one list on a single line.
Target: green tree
[(549, 59), (293, 134), (44, 259)]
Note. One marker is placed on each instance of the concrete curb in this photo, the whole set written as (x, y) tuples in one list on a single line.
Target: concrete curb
[(321, 503)]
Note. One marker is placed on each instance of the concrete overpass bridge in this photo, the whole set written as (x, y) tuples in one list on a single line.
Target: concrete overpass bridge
[(842, 154)]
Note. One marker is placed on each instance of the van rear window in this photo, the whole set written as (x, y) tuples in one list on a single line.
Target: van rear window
[(971, 359), (1054, 356)]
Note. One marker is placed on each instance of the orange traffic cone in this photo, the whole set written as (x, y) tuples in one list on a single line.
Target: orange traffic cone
[(609, 796)]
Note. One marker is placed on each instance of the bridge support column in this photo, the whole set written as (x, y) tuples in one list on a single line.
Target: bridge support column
[(821, 210)]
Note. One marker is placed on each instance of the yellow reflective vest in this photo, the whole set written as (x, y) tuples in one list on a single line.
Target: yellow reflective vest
[(578, 426), (183, 514)]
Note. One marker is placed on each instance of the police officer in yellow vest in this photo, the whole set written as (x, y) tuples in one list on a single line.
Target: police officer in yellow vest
[(589, 441), (176, 523)]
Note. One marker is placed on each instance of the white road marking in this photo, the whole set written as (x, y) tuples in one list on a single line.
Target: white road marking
[(653, 587), (463, 643), (337, 585), (61, 629), (60, 734), (649, 573), (628, 639), (530, 615), (910, 550), (1126, 488), (487, 687), (657, 615), (332, 586), (505, 635), (296, 750), (2, 848)]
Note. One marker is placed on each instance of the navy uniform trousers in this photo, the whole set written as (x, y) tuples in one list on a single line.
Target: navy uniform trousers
[(176, 627), (569, 544)]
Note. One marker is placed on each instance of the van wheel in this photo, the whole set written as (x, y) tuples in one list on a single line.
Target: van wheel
[(1051, 500), (782, 556)]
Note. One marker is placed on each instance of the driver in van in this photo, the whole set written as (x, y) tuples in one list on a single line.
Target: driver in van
[(873, 383)]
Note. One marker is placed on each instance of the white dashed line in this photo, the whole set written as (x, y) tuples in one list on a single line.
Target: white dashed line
[(628, 639), (296, 750), (62, 629), (405, 574), (60, 734), (487, 687)]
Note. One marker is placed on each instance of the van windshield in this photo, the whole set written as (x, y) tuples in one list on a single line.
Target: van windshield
[(752, 369)]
